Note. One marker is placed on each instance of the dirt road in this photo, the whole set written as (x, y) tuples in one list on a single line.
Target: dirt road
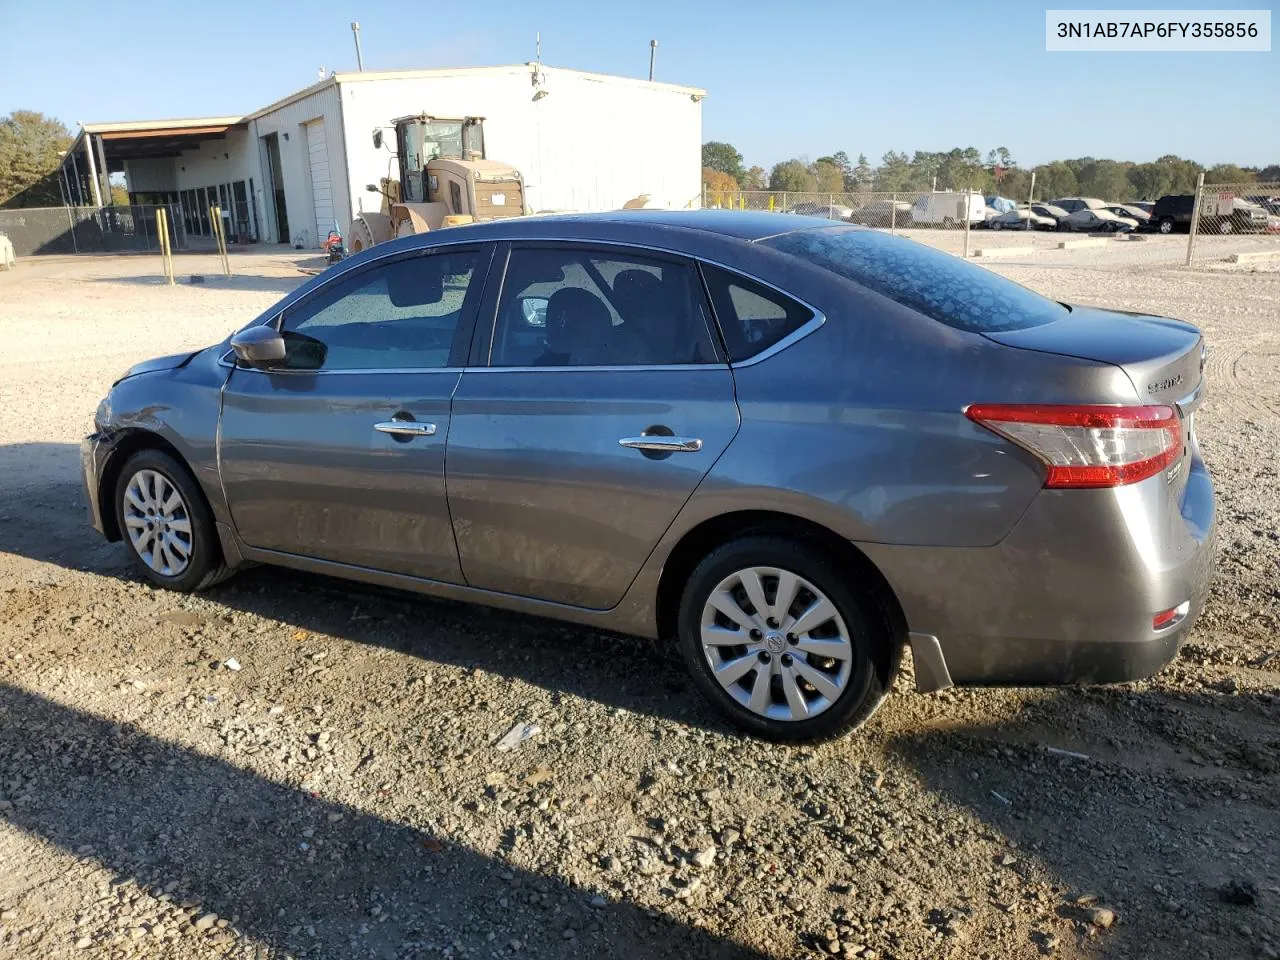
[(340, 795)]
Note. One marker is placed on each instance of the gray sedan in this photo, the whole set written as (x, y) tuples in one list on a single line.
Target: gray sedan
[(796, 449)]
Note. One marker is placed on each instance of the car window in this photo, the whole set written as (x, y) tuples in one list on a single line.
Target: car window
[(402, 314), (928, 280), (752, 317), (572, 307)]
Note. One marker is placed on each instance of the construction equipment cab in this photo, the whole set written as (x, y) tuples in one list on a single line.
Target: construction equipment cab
[(444, 180)]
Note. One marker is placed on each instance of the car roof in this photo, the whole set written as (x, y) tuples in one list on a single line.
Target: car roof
[(736, 224)]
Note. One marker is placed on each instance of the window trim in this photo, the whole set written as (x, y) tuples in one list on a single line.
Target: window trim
[(817, 317), (486, 323), (481, 357), (462, 337)]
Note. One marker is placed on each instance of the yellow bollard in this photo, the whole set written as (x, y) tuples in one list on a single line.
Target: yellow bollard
[(215, 220), (166, 252), (771, 203)]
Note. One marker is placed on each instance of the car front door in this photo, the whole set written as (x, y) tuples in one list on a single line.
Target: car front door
[(338, 454), (599, 401)]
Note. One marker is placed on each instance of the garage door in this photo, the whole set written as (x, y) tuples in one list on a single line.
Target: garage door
[(321, 192)]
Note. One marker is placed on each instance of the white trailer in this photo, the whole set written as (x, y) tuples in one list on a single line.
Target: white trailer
[(947, 208)]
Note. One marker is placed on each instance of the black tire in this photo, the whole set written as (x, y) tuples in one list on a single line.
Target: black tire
[(870, 636), (1165, 225), (205, 565), (1064, 227)]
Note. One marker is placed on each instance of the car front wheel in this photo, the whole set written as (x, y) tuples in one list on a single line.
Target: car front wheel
[(780, 643), (1166, 225), (166, 524)]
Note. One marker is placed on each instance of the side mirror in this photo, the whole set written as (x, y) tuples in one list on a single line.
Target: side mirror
[(377, 139), (260, 347), (535, 311)]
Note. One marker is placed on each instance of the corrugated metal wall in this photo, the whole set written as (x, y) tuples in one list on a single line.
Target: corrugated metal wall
[(295, 164), (591, 143)]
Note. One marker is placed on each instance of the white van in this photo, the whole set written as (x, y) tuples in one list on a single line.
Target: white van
[(947, 209)]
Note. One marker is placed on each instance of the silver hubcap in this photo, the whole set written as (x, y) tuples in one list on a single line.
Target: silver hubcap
[(157, 522), (776, 643)]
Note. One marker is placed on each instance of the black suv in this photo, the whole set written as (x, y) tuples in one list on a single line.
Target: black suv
[(1173, 212)]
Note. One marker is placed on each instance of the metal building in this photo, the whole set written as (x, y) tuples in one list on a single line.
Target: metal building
[(289, 172)]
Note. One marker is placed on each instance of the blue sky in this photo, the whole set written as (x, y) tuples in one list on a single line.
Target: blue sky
[(785, 79)]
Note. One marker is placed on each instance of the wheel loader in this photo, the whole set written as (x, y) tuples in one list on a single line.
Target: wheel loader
[(444, 180)]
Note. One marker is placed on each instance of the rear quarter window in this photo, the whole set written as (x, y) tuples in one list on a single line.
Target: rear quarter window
[(937, 284)]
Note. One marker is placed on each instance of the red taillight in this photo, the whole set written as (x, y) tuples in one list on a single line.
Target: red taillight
[(1088, 446)]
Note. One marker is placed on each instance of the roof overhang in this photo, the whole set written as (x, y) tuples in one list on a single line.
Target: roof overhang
[(151, 139)]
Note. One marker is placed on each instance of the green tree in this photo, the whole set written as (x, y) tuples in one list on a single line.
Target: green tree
[(1229, 173), (1054, 180), (827, 175), (755, 179), (1182, 173), (1270, 173), (31, 146), (894, 173), (1103, 178), (1150, 181), (862, 174), (722, 157), (793, 176)]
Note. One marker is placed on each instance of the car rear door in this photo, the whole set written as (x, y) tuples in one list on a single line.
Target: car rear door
[(598, 400), (339, 454)]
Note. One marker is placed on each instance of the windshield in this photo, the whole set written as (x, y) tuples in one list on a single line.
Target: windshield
[(421, 142), (937, 284)]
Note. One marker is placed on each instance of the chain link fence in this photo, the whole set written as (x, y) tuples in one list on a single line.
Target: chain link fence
[(1223, 210), (39, 230)]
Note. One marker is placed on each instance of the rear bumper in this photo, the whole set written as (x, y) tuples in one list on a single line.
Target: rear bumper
[(1068, 597)]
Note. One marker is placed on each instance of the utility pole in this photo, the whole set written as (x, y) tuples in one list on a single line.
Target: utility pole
[(355, 32), (653, 52)]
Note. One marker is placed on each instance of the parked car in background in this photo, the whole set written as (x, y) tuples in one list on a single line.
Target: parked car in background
[(948, 209), (1102, 220), (1008, 486), (1269, 204), (1072, 204), (1128, 211), (883, 213), (1022, 218), (832, 211), (1049, 210), (1144, 205), (1173, 212), (1218, 214)]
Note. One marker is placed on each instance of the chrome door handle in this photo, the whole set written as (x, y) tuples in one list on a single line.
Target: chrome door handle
[(405, 428), (662, 444)]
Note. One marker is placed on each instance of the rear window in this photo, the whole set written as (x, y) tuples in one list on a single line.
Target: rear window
[(936, 284)]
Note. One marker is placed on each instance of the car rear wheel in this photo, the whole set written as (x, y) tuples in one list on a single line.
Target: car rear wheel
[(997, 225), (781, 644), (166, 524), (1064, 227), (1225, 226), (1166, 225)]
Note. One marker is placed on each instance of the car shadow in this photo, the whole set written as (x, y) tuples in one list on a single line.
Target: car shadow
[(288, 868), (1146, 801), (40, 483)]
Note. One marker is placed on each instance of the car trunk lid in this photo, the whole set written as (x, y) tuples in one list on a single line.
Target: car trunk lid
[(1162, 357)]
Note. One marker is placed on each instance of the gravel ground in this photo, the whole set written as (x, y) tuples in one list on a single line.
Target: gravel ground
[(341, 794)]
